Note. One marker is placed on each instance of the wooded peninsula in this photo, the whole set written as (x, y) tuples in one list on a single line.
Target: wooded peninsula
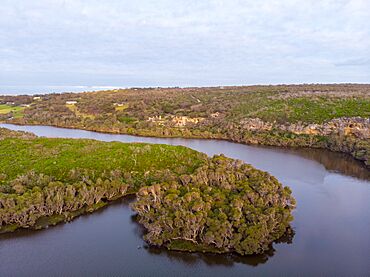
[(185, 200)]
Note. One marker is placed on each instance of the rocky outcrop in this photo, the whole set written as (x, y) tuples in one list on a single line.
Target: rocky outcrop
[(347, 126), (256, 124), (349, 135)]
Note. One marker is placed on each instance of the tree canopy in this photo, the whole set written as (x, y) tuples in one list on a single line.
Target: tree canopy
[(224, 206)]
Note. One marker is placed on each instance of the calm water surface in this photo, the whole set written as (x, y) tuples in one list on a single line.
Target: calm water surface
[(332, 224)]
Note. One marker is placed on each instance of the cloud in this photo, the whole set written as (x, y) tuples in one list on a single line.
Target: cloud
[(183, 42), (355, 62)]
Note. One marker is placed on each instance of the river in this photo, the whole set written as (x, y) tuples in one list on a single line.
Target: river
[(332, 223)]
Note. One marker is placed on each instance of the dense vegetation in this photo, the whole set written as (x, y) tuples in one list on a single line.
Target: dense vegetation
[(224, 203), (335, 117), (42, 177), (225, 206)]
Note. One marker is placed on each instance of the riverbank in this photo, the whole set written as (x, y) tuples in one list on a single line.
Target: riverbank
[(333, 161), (357, 148), (333, 117), (339, 210)]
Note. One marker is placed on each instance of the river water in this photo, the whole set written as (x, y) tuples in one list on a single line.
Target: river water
[(332, 223)]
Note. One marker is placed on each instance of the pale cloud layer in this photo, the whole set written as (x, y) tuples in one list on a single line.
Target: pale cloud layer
[(170, 43)]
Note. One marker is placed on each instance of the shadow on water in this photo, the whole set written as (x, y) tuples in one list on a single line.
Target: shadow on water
[(332, 161), (210, 259)]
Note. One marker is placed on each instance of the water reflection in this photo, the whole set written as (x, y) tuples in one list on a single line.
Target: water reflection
[(334, 162), (209, 259), (123, 203), (224, 259)]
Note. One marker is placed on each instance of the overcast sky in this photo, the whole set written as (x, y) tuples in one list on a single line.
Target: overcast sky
[(183, 43)]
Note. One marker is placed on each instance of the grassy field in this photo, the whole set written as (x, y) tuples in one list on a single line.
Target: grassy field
[(15, 110), (57, 157)]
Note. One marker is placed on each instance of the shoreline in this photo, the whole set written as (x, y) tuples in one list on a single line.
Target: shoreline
[(268, 144), (66, 217), (69, 217)]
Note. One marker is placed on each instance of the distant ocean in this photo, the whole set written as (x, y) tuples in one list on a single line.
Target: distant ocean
[(18, 90)]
